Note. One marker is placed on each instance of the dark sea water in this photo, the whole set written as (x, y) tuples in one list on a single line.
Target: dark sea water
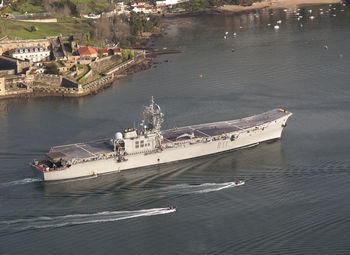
[(296, 196)]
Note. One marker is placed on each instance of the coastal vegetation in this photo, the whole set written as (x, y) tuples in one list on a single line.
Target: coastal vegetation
[(128, 54)]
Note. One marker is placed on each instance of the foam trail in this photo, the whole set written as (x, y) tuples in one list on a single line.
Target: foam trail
[(77, 219), (202, 188), (19, 182)]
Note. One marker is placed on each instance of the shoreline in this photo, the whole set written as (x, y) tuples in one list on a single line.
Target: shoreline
[(275, 4), (270, 4), (146, 62)]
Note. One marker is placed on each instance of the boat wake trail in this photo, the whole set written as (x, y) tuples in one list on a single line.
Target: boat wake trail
[(19, 182), (202, 188), (77, 219)]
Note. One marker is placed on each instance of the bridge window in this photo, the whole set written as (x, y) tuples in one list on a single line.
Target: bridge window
[(142, 143), (137, 144)]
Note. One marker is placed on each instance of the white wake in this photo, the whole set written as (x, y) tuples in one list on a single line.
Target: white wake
[(20, 182), (77, 219), (202, 188)]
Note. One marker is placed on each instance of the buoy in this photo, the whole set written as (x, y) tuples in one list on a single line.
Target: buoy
[(325, 47), (200, 75), (232, 49)]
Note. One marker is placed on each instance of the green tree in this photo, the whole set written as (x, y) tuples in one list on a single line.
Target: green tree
[(52, 68), (132, 54), (125, 54)]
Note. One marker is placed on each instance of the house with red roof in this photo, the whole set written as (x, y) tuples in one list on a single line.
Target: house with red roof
[(103, 51), (87, 51), (117, 51)]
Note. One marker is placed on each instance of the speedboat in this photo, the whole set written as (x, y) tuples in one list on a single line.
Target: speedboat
[(172, 207), (239, 182)]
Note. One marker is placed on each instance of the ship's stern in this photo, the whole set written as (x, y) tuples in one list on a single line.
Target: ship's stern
[(37, 171)]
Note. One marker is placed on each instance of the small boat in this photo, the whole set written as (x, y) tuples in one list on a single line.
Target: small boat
[(239, 182), (172, 207)]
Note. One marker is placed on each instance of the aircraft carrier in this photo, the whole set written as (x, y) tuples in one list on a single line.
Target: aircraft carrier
[(149, 145)]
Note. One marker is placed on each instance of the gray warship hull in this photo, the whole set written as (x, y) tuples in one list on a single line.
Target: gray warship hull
[(143, 149)]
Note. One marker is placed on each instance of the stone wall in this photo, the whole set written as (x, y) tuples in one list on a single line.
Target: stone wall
[(7, 72), (2, 85), (22, 66), (7, 45), (102, 64), (69, 83), (39, 20), (8, 63), (47, 79), (15, 81)]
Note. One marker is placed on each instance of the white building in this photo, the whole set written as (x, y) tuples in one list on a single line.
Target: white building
[(168, 2), (92, 16), (35, 54)]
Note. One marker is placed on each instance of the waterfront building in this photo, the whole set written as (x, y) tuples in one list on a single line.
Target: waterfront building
[(34, 54)]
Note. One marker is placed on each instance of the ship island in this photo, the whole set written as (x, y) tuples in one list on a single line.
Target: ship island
[(148, 145)]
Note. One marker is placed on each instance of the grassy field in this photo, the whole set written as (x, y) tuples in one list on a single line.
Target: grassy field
[(35, 6), (93, 5), (23, 29)]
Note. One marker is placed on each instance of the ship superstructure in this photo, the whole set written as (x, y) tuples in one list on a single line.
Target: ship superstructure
[(149, 145)]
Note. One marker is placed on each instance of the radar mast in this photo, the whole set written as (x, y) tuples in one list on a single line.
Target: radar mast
[(154, 118)]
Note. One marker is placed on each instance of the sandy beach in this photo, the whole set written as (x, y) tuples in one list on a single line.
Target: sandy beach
[(275, 4)]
